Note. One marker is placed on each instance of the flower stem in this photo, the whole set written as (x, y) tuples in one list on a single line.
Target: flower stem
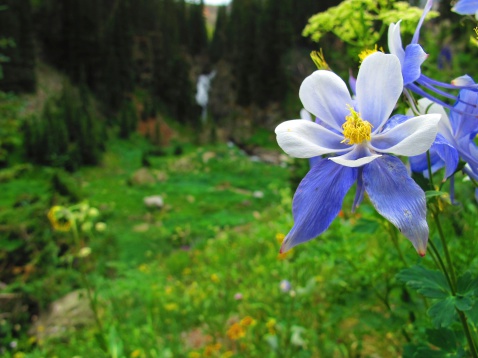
[(450, 271)]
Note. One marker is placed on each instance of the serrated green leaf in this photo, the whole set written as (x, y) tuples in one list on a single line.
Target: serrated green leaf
[(429, 283), (463, 303), (467, 284), (443, 312), (472, 314), (443, 338), (425, 352)]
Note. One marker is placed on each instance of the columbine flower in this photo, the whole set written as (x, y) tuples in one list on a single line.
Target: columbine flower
[(455, 137), (411, 59), (442, 151), (466, 7), (359, 132)]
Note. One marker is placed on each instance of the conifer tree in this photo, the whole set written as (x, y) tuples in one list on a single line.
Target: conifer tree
[(219, 40), (16, 24), (198, 40)]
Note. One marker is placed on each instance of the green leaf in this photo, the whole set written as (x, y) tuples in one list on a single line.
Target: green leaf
[(425, 352), (443, 312), (472, 314), (432, 193), (429, 283), (463, 303), (443, 338), (366, 226), (10, 245), (467, 284)]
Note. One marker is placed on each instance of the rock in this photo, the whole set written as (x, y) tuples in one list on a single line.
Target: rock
[(64, 315), (154, 201), (141, 177)]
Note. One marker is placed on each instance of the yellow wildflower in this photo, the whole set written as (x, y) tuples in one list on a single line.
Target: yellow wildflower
[(236, 331), (136, 353), (210, 349), (171, 306), (247, 321), (280, 237), (60, 218), (271, 324)]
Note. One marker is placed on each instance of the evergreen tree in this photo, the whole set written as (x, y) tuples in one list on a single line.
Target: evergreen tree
[(16, 24), (198, 40), (219, 40)]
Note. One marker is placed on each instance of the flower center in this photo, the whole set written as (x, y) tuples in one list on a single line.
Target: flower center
[(367, 52), (356, 130)]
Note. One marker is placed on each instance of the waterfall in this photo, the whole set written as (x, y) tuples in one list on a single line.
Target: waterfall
[(202, 92)]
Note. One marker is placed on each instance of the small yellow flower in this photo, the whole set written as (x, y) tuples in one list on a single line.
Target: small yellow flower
[(144, 268), (93, 212), (84, 252), (60, 218), (171, 306), (136, 353), (280, 237), (236, 331), (271, 324), (247, 321), (100, 226), (210, 349), (215, 278)]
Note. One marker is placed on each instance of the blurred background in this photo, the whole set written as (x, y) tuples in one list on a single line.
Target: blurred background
[(144, 198)]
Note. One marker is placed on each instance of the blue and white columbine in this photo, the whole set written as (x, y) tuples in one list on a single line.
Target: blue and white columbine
[(412, 57), (357, 137), (466, 7)]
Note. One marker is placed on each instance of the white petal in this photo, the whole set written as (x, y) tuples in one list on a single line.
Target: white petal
[(304, 139), (395, 41), (379, 86), (426, 106), (325, 95), (413, 137), (305, 115), (359, 156)]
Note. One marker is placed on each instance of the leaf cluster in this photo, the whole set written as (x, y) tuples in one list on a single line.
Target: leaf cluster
[(362, 23)]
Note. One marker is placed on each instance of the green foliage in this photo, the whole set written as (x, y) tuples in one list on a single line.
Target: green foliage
[(363, 23), (10, 136), (69, 133), (18, 55), (127, 119)]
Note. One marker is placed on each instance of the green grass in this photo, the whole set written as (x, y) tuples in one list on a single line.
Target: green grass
[(167, 282)]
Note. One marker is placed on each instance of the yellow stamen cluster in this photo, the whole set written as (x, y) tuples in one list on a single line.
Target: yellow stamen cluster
[(319, 60), (60, 218), (365, 53), (356, 130)]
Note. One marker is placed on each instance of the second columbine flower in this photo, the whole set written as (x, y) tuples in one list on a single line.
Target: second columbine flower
[(357, 136)]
